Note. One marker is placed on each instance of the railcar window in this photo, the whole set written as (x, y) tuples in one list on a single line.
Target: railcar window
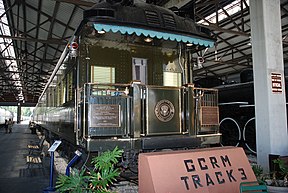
[(54, 97), (69, 86), (140, 69), (172, 79), (172, 73), (47, 97), (103, 74), (50, 98), (53, 85), (63, 90), (43, 101), (59, 94)]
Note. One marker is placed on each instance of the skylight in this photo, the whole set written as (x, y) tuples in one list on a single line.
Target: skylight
[(7, 51), (231, 9)]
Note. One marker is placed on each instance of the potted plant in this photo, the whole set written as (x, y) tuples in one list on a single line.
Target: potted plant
[(99, 179)]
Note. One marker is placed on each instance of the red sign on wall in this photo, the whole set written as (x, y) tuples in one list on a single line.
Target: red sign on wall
[(276, 79)]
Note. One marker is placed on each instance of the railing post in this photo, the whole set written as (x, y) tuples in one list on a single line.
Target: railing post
[(74, 159)]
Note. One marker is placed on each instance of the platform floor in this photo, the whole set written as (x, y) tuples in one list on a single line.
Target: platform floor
[(15, 177)]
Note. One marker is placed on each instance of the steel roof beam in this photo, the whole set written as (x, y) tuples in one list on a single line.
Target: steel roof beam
[(37, 27), (234, 62), (225, 49), (48, 41), (215, 27), (229, 17), (52, 23), (27, 60), (66, 28), (230, 45), (77, 2), (48, 16)]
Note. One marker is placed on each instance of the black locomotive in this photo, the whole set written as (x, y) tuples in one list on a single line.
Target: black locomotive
[(123, 81), (236, 109), (237, 114)]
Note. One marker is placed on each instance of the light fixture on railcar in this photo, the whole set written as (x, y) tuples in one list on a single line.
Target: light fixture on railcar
[(101, 32), (73, 49), (148, 40)]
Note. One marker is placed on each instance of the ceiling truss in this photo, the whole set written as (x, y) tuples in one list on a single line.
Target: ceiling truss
[(40, 30)]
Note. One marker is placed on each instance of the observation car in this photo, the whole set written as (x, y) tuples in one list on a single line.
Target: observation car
[(124, 80)]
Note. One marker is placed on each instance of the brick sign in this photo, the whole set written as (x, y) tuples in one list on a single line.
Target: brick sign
[(213, 170), (276, 82)]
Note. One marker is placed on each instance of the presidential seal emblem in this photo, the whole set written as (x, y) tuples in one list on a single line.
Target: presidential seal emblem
[(164, 110)]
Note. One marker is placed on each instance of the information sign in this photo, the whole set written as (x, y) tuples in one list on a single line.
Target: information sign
[(105, 115), (55, 146), (276, 79)]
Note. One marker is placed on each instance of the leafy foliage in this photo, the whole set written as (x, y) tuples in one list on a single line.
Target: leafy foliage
[(280, 178), (98, 180), (282, 166), (107, 159), (75, 183), (258, 171)]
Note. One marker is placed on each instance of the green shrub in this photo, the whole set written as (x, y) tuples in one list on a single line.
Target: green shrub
[(97, 180), (282, 166), (258, 171)]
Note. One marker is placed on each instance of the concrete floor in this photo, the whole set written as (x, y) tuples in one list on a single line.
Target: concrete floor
[(15, 177)]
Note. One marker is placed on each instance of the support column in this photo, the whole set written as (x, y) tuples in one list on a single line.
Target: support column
[(18, 113), (268, 67)]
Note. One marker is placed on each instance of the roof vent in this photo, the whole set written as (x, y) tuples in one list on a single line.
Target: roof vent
[(99, 13), (152, 18), (169, 21)]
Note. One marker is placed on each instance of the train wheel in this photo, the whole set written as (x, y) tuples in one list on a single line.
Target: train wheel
[(249, 135), (231, 133)]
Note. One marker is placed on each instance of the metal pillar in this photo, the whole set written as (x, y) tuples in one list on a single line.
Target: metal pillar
[(18, 113), (269, 82), (51, 187)]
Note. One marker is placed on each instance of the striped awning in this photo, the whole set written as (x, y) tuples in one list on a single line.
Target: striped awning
[(154, 34)]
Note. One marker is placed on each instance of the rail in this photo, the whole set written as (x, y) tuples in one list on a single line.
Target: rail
[(206, 110), (107, 109)]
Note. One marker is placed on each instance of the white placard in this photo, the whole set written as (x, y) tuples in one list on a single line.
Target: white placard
[(55, 146)]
